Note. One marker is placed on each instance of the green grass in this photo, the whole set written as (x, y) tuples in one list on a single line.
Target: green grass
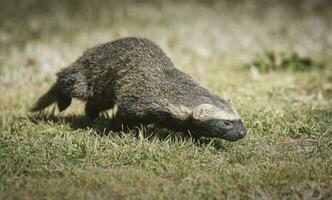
[(288, 112)]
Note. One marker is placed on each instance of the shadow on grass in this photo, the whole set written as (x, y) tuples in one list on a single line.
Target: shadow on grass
[(102, 127)]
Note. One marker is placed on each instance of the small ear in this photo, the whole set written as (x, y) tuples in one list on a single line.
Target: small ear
[(229, 100), (204, 111)]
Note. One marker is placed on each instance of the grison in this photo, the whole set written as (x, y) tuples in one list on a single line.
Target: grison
[(135, 75)]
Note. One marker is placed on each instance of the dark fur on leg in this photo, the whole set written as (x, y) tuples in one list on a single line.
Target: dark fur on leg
[(63, 102), (92, 111)]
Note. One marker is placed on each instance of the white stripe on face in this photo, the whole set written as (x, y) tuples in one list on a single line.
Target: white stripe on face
[(225, 116), (208, 111)]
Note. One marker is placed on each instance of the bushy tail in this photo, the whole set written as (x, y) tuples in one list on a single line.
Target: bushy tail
[(47, 99), (53, 95)]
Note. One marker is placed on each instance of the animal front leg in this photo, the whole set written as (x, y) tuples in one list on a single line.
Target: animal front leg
[(123, 122)]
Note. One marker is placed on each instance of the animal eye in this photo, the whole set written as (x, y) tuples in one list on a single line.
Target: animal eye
[(226, 124)]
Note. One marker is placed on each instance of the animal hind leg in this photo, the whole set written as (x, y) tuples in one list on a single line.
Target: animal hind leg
[(63, 102), (94, 107), (92, 110)]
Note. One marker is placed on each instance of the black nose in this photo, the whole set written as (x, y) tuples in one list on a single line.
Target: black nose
[(242, 133), (241, 130)]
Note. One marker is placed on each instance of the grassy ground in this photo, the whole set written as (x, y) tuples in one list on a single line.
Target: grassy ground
[(288, 113)]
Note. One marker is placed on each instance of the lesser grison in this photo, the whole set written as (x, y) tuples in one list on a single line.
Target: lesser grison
[(135, 75)]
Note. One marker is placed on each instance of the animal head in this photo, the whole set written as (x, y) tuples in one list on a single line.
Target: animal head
[(210, 121)]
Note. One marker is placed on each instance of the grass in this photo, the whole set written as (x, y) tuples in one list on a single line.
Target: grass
[(288, 112)]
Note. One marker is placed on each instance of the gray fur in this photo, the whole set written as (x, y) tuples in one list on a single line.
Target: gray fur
[(136, 75)]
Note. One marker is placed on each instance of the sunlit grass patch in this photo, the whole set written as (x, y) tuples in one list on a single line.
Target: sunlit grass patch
[(269, 61)]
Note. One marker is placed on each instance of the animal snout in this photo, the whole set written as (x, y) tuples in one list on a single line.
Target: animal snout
[(240, 129), (242, 133)]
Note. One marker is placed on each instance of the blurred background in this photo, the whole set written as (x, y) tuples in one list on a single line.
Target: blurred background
[(41, 36), (272, 58)]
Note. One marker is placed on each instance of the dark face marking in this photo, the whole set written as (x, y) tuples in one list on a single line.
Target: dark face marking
[(230, 130)]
